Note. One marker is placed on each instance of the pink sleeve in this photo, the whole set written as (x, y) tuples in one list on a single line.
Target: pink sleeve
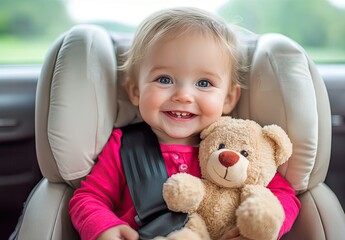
[(91, 207), (281, 188)]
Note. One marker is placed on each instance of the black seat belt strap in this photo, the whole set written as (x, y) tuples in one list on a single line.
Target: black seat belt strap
[(146, 173)]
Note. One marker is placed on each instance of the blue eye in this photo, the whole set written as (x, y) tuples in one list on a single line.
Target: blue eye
[(164, 80), (203, 83)]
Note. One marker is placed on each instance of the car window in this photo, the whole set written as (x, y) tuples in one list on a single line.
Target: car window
[(318, 25), (28, 28)]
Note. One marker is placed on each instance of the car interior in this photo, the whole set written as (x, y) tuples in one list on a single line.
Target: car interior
[(19, 171), (80, 98)]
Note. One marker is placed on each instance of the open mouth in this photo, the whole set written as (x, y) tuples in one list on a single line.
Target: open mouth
[(182, 115)]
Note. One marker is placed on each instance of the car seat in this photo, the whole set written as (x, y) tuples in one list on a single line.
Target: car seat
[(80, 98)]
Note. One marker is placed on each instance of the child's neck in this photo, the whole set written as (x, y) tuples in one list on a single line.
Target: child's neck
[(190, 141)]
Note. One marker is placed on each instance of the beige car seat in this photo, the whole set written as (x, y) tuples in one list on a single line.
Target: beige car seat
[(80, 98)]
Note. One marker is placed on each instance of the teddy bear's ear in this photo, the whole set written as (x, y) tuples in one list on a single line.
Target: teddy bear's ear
[(220, 122), (283, 146)]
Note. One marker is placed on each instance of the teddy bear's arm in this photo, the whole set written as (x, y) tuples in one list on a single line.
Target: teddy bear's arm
[(260, 214), (183, 192)]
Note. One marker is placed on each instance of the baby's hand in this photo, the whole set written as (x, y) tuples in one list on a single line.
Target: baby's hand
[(120, 232)]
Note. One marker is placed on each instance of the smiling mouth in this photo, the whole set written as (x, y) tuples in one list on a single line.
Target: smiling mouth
[(182, 115), (224, 177)]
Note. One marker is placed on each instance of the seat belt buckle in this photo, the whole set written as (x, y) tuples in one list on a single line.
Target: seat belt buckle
[(138, 221)]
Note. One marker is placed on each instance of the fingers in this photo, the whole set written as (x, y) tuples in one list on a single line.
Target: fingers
[(129, 233), (120, 232)]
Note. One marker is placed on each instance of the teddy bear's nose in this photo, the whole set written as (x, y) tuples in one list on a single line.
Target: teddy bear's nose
[(228, 158)]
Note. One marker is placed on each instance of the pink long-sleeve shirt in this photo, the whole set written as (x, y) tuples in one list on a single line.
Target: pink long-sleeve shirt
[(104, 201)]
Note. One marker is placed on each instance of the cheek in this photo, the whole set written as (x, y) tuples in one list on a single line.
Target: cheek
[(213, 104), (150, 97)]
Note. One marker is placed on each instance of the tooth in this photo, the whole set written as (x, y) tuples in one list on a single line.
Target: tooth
[(180, 114)]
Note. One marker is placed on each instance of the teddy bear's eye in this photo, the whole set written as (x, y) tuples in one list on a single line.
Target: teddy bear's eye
[(244, 153), (221, 146)]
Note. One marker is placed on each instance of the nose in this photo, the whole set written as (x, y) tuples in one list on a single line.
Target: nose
[(228, 158), (182, 94)]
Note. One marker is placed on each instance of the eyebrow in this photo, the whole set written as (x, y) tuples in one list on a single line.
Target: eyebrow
[(211, 74), (202, 72), (159, 67), (206, 73)]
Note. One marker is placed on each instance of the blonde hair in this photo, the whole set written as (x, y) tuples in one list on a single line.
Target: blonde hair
[(174, 23)]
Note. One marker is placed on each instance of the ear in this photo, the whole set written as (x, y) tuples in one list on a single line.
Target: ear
[(283, 145), (231, 99), (132, 91)]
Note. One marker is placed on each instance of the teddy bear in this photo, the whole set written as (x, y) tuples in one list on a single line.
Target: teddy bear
[(238, 158)]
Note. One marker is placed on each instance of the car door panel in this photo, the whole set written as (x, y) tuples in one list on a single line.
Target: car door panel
[(334, 77), (19, 171)]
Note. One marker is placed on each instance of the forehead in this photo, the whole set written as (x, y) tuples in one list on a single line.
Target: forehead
[(186, 32), (196, 46)]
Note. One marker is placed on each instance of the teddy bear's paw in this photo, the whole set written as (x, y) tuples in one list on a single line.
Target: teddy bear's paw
[(184, 234), (260, 216), (183, 192), (198, 225)]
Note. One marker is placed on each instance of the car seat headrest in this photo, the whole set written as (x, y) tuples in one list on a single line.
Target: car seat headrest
[(75, 103)]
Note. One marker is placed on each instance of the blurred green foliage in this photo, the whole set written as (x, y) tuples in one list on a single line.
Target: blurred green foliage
[(32, 18), (28, 27), (312, 23)]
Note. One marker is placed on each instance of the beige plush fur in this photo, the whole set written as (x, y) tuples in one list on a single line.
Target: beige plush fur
[(238, 158)]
